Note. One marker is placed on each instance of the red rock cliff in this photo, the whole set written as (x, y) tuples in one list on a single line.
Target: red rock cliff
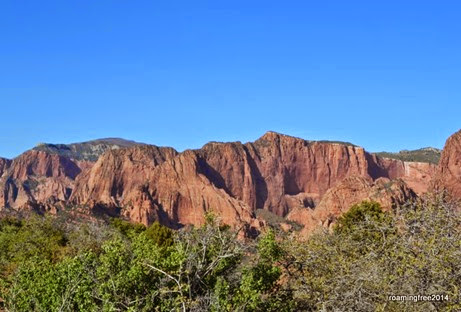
[(152, 183), (351, 191), (279, 173), (448, 175), (417, 175), (118, 172), (4, 164), (37, 177)]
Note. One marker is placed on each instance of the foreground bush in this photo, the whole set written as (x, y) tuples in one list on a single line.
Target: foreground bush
[(372, 255)]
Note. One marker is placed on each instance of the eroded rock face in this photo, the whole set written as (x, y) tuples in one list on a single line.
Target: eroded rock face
[(272, 171), (152, 183), (185, 195), (417, 175), (351, 191), (230, 166), (279, 172), (37, 177), (305, 180), (44, 177), (4, 164), (292, 166), (448, 175), (14, 194), (42, 164), (118, 172)]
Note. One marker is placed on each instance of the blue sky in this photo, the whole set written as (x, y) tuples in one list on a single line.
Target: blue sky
[(382, 74)]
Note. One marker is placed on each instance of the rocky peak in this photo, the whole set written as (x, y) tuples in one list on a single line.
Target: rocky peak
[(271, 135), (150, 183), (275, 138)]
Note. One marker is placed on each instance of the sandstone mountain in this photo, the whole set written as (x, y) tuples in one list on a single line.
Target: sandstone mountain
[(45, 175), (310, 182), (448, 176)]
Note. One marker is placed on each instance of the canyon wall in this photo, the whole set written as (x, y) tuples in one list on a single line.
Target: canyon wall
[(308, 182)]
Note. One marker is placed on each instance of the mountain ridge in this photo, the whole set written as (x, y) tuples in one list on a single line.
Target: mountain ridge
[(425, 154), (61, 148), (145, 183)]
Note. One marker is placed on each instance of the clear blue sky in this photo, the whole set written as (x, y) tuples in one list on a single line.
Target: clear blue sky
[(382, 74)]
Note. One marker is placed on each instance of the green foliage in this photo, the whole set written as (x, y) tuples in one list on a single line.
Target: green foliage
[(10, 222), (358, 214), (127, 228), (366, 223), (160, 235), (369, 255), (269, 249), (40, 285), (38, 237), (125, 267), (259, 289)]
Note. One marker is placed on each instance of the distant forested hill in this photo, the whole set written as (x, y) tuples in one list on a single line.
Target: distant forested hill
[(427, 154)]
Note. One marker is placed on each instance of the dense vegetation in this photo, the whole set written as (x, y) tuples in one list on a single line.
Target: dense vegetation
[(428, 155), (48, 265)]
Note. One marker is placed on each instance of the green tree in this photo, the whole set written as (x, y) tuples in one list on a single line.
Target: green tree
[(161, 235)]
